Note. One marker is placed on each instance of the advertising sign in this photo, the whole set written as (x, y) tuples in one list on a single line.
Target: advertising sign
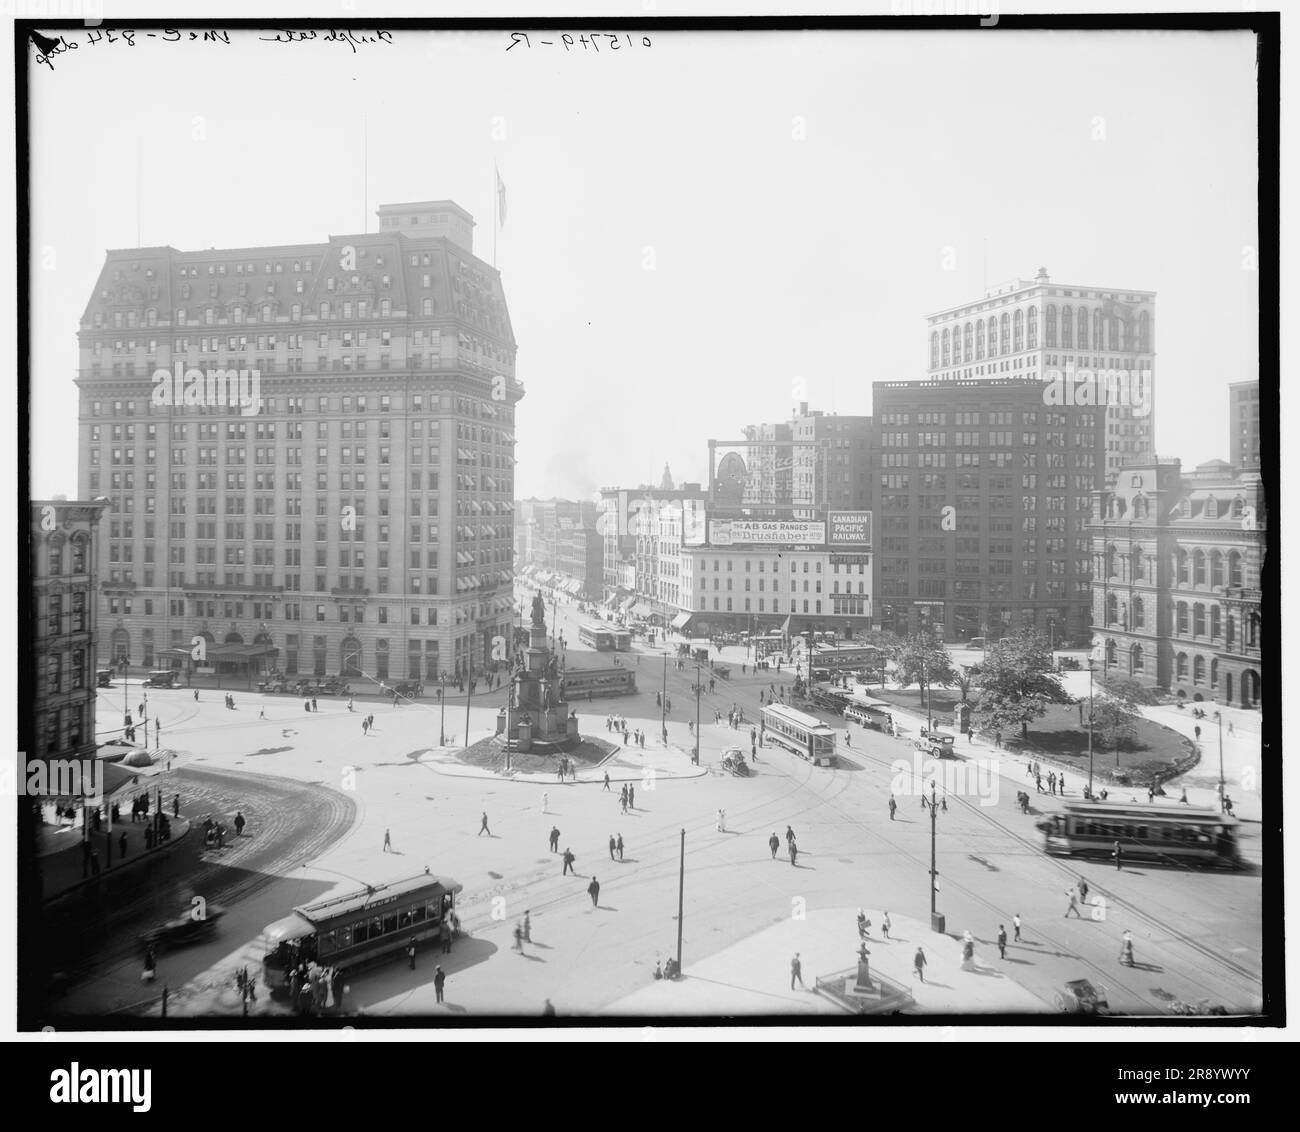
[(849, 528), (766, 532)]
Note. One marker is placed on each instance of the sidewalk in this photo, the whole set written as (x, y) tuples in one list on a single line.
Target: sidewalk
[(59, 850), (753, 977)]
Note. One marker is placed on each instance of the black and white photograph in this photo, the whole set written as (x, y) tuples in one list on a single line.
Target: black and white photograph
[(810, 481)]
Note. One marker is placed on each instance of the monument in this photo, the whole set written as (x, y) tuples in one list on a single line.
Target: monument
[(537, 717)]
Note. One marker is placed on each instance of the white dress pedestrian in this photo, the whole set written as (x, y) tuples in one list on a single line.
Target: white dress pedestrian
[(546, 802), (722, 821)]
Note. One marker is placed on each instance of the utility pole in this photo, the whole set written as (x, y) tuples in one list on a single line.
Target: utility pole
[(663, 702), (469, 695), (1090, 659), (442, 709), (681, 894), (1223, 794), (936, 920), (699, 687)]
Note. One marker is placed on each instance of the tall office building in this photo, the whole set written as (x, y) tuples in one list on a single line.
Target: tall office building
[(831, 462), (343, 507), (981, 502), (1243, 425), (1094, 345)]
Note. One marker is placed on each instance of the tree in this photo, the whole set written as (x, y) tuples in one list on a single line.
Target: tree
[(1016, 684), (921, 660), (1131, 692), (1113, 723)]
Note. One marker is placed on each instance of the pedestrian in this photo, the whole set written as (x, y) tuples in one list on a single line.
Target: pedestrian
[(893, 807), (176, 806), (150, 965), (316, 707), (1002, 941), (445, 933), (612, 846), (239, 824), (528, 927), (483, 828), (122, 846), (1015, 923), (569, 858), (260, 715), (1060, 785), (410, 953), (546, 801), (774, 843), (388, 842), (1197, 732), (1119, 856), (1083, 891), (753, 752), (885, 926), (439, 980), (1126, 949), (555, 839), (1229, 726), (918, 964), (1074, 904), (196, 700), (620, 846), (594, 890), (631, 796), (796, 972), (719, 824), (794, 853), (607, 787), (519, 937), (789, 833)]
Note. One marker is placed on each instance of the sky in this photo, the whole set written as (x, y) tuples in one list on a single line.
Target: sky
[(700, 233)]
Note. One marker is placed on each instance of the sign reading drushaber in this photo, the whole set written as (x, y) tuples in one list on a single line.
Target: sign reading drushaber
[(102, 1086), (211, 389)]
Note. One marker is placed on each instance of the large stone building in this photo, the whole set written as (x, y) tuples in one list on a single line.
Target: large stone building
[(1086, 342), (628, 523), (982, 495), (64, 576), (351, 511), (1176, 590), (1243, 425)]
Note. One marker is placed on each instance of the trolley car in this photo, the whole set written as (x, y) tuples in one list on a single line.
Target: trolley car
[(1182, 835), (803, 735), (358, 928)]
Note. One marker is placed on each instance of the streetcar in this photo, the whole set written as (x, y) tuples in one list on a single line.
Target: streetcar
[(605, 638), (870, 713), (803, 735), (581, 683), (1177, 834), (357, 928)]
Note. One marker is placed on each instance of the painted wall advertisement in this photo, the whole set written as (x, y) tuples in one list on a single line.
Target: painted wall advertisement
[(849, 528), (766, 532)]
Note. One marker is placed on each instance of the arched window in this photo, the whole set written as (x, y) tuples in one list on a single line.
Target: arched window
[(1067, 328), (233, 638), (934, 349), (1005, 324), (1198, 620), (79, 545), (1139, 613), (1229, 631), (1180, 565), (237, 314), (967, 343), (979, 340), (1139, 563), (947, 349), (1032, 332), (993, 336), (1216, 568), (151, 317), (1144, 333), (56, 560), (1112, 609), (1214, 673), (1098, 333), (1198, 670), (324, 310), (1083, 328), (208, 316), (1198, 567), (1111, 653), (1215, 622), (1136, 660), (350, 657), (1211, 508), (266, 312), (1234, 569), (1049, 326), (1112, 562), (1237, 507), (1180, 618), (1018, 324), (1180, 666)]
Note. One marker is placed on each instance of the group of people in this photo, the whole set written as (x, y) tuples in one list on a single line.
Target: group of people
[(1055, 782), (313, 988), (367, 725), (567, 768), (627, 797), (773, 842)]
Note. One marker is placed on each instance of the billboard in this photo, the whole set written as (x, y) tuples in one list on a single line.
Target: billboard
[(849, 528), (766, 532)]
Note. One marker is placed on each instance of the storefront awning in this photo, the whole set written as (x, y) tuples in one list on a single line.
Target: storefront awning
[(680, 621)]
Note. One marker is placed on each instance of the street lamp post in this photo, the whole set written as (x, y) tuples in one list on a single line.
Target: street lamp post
[(699, 687), (442, 709), (663, 704), (1218, 718), (1090, 660), (123, 666), (1051, 641), (936, 920)]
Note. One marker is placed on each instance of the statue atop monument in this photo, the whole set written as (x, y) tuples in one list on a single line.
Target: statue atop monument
[(539, 611)]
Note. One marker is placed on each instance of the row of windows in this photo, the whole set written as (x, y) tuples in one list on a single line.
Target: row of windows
[(1014, 332)]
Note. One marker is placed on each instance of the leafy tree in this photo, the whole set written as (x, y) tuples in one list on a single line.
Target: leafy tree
[(1016, 684), (885, 642), (920, 659), (1130, 692), (1113, 724)]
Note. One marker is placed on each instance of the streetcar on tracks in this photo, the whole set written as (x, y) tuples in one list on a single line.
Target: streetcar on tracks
[(1173, 835), (801, 734), (358, 928), (605, 638)]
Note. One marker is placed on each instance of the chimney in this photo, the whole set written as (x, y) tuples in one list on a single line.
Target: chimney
[(1041, 277)]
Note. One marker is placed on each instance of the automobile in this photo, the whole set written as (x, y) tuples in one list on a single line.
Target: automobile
[(942, 744), (193, 924), (733, 760), (976, 643), (104, 678), (162, 678), (408, 688), (1082, 996), (722, 671)]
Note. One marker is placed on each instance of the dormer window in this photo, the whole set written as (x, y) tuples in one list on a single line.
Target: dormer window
[(1211, 508)]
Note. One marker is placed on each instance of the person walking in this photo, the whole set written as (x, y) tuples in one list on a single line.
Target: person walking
[(439, 981), (774, 843), (607, 780), (794, 853), (528, 927), (919, 964), (239, 824), (1126, 949), (612, 846), (484, 827), (885, 926), (519, 938), (569, 858), (1119, 856), (893, 807), (719, 824), (620, 846), (444, 933), (796, 972), (546, 802), (1083, 891), (593, 890), (1015, 923), (410, 953), (1002, 941), (789, 833), (631, 796), (1074, 904), (555, 839)]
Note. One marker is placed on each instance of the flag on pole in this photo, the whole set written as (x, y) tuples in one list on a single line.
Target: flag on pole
[(501, 199)]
